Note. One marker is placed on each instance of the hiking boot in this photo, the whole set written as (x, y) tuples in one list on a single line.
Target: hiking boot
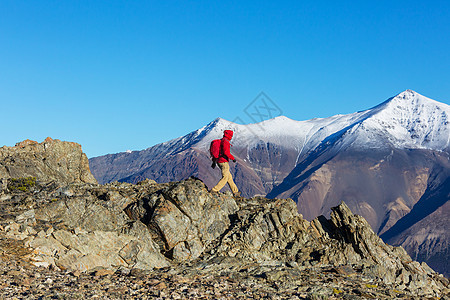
[(237, 194)]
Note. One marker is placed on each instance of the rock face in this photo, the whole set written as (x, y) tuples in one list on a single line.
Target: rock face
[(130, 228), (184, 218), (50, 160), (426, 240)]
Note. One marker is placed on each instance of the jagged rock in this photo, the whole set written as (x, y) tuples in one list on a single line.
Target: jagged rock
[(182, 218), (50, 160), (265, 230), (188, 218)]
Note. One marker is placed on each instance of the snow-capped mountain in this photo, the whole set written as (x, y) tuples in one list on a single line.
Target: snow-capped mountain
[(408, 120), (390, 164)]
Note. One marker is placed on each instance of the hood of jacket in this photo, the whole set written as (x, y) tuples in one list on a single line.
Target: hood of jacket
[(228, 134)]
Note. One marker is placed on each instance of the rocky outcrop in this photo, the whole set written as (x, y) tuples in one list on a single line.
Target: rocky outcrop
[(118, 225), (185, 218), (63, 162), (128, 228), (121, 226), (271, 231)]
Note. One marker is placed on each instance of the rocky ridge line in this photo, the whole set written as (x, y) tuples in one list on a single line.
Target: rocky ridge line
[(123, 227)]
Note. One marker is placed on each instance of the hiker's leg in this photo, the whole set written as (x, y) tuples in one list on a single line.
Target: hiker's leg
[(229, 177), (224, 180), (230, 181), (232, 185)]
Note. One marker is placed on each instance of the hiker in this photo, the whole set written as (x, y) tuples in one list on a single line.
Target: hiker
[(222, 157)]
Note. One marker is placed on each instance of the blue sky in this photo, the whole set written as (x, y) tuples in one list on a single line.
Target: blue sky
[(118, 75)]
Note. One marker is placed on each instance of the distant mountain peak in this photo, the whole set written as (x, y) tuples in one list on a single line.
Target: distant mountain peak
[(407, 120), (220, 120), (278, 120), (408, 93), (410, 97), (282, 118)]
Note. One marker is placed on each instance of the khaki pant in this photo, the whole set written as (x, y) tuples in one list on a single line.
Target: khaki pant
[(226, 178)]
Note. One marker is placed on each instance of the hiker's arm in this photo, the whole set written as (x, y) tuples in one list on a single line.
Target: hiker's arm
[(226, 149)]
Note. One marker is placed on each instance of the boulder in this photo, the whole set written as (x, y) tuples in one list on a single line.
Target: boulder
[(56, 160), (185, 217)]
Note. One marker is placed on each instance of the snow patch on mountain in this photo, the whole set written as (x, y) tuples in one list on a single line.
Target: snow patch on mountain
[(408, 121)]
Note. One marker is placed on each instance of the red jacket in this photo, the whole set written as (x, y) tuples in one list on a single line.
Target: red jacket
[(225, 154)]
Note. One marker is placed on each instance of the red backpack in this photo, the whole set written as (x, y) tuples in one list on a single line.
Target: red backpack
[(214, 149)]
